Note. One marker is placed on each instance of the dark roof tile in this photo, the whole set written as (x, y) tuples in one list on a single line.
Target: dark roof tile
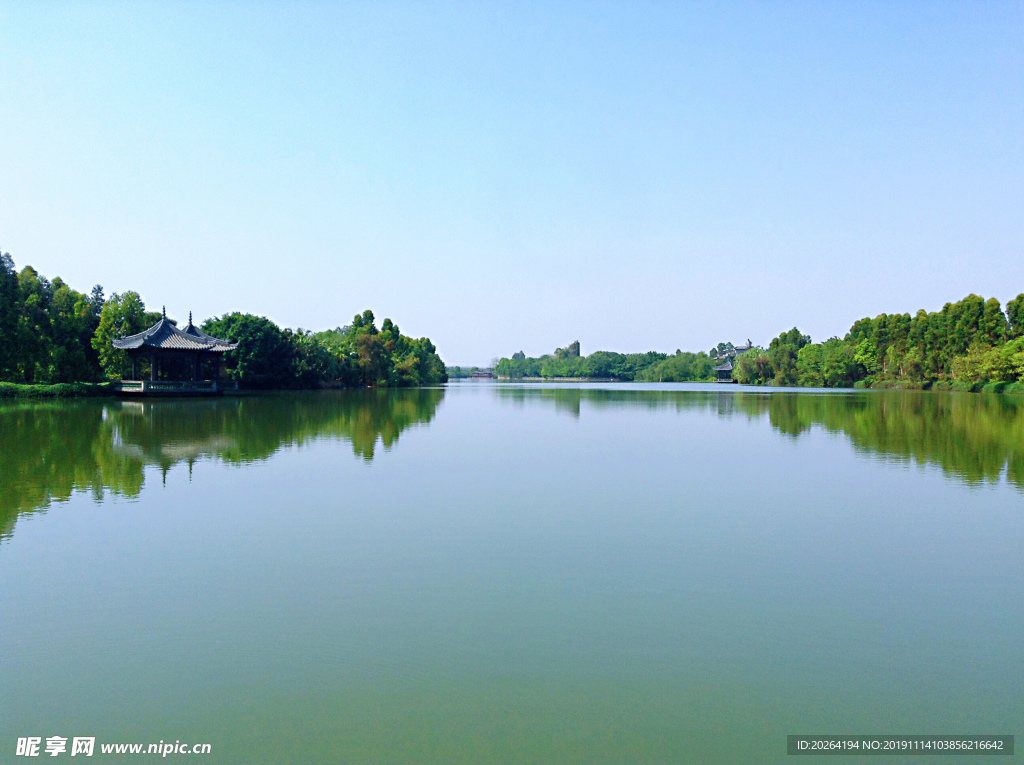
[(165, 335)]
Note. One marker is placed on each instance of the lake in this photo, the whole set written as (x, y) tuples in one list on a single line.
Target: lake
[(501, 573)]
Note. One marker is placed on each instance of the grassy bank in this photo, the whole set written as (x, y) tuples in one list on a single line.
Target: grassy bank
[(59, 390)]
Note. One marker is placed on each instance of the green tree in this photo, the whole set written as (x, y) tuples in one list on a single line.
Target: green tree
[(752, 367), (831, 364), (73, 323), (10, 313), (782, 354), (993, 327), (571, 351), (34, 341), (265, 356), (120, 316), (1015, 316)]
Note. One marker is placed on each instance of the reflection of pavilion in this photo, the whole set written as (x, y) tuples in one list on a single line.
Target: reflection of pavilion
[(52, 451), (166, 433), (179, 362)]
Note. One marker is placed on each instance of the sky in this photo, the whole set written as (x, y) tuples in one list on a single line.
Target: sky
[(515, 176)]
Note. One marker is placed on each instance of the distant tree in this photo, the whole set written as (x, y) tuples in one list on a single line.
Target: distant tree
[(1015, 316), (723, 350), (680, 367), (571, 351)]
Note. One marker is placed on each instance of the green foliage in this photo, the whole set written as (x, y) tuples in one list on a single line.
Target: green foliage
[(831, 364), (567, 363), (680, 367), (57, 390), (45, 328), (518, 366), (265, 358), (967, 345), (572, 351), (103, 446), (782, 355), (461, 373), (49, 333), (10, 313), (752, 367), (1015, 316), (964, 344), (383, 357), (120, 316)]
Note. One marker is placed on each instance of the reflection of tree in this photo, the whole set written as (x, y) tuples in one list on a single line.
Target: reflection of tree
[(52, 449), (971, 437), (569, 399)]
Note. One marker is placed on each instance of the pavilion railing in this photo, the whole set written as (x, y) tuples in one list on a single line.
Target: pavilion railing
[(176, 386)]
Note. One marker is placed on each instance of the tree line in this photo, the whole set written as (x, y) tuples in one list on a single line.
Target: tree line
[(609, 365), (972, 344), (50, 333)]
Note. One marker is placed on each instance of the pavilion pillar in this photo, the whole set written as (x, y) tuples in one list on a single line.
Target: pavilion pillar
[(133, 367), (195, 366), (152, 367)]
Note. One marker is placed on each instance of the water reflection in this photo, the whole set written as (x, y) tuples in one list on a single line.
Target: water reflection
[(48, 450), (973, 438)]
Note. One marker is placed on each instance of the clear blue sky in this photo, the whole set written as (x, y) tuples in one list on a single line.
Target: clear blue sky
[(506, 176)]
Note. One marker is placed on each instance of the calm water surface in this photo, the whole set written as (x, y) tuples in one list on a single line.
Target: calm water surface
[(512, 574)]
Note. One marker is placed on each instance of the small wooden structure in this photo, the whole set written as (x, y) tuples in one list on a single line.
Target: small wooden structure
[(181, 362), (723, 372)]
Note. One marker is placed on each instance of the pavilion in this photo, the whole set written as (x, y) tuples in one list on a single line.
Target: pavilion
[(723, 372), (179, 361)]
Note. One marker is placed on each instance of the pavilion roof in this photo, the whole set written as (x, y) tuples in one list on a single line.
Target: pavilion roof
[(166, 336), (726, 367)]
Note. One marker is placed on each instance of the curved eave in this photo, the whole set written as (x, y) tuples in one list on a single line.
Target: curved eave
[(165, 336), (175, 346)]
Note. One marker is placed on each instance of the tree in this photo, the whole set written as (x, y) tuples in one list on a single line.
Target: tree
[(374, 359), (265, 356), (120, 316), (1015, 316), (72, 325), (34, 326), (10, 311), (993, 326), (782, 354), (831, 364), (571, 351)]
